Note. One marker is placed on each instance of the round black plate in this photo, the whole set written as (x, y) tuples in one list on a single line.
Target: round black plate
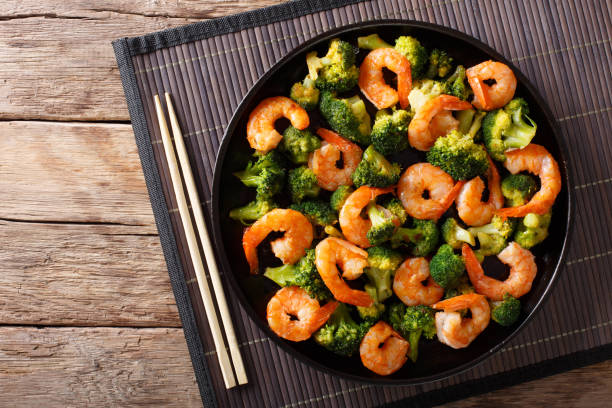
[(436, 360)]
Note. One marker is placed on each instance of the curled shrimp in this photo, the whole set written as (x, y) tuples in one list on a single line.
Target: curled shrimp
[(421, 177), (408, 283), (353, 226), (456, 331), (471, 209), (372, 83), (333, 252), (261, 134), (537, 160), (323, 160), (294, 315), (383, 350), (489, 97), (442, 123), (419, 133), (523, 271), (290, 247)]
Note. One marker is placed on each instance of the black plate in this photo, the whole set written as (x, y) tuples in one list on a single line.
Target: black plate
[(437, 360)]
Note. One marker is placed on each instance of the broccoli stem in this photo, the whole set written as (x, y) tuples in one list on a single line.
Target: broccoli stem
[(372, 42), (413, 339), (464, 235), (282, 275), (376, 215)]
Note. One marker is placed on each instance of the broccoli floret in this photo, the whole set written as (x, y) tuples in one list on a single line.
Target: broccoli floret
[(507, 311), (305, 93), (371, 314), (267, 175), (412, 322), (397, 208), (492, 237), (532, 229), (455, 235), (341, 334), (518, 189), (304, 274), (446, 267), (423, 237), (459, 156), (507, 128), (456, 84), (348, 117), (422, 91), (464, 287), (470, 122), (382, 265), (390, 131), (372, 42), (253, 210), (318, 212), (412, 49), (298, 144), (339, 196), (383, 224), (440, 64), (336, 71), (375, 171), (302, 183)]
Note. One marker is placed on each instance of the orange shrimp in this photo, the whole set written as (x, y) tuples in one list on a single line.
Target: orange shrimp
[(408, 283), (523, 270), (323, 160), (372, 83), (419, 133), (421, 177), (537, 160), (290, 247), (261, 134), (383, 350), (489, 97), (442, 123), (353, 226), (458, 332), (294, 315), (333, 252), (471, 209)]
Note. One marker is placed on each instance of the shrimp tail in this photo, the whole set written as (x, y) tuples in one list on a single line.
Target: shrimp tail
[(334, 138), (450, 197), (250, 252), (356, 298), (539, 208), (323, 314), (457, 303), (473, 267)]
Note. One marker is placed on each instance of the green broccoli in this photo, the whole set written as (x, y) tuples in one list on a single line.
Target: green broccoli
[(341, 334), (455, 235), (412, 322), (532, 229), (518, 189), (456, 84), (383, 224), (423, 237), (267, 174), (305, 93), (390, 131), (375, 171), (298, 144), (371, 314), (348, 117), (333, 232), (302, 183), (440, 64), (336, 71), (339, 196), (422, 91), (318, 212), (304, 274), (446, 268), (470, 122), (412, 49), (464, 287), (459, 156), (492, 237), (397, 208), (382, 265), (372, 42), (507, 128), (507, 311), (253, 210)]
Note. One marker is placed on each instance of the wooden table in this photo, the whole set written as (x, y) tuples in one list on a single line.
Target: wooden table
[(87, 315)]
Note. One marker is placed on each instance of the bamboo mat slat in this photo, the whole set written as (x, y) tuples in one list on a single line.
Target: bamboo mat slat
[(563, 47)]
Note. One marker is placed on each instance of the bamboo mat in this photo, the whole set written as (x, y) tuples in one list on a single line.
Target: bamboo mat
[(563, 47)]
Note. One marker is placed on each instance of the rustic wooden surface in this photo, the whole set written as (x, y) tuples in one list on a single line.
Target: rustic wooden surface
[(87, 316)]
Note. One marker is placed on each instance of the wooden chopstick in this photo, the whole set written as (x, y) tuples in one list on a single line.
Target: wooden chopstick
[(209, 255), (194, 251)]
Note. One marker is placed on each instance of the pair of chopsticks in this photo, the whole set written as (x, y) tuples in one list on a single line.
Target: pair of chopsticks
[(194, 251)]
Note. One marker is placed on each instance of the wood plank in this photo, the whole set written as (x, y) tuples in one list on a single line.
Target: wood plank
[(83, 275), (57, 58), (110, 367)]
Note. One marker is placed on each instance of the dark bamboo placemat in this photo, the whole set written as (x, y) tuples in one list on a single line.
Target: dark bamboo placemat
[(564, 49)]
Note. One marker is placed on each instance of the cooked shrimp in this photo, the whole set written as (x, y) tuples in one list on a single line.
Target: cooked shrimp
[(537, 160), (333, 252), (421, 177), (471, 209), (442, 123), (372, 83), (353, 226), (408, 283), (419, 132), (383, 350), (290, 247), (260, 129), (458, 332), (523, 271), (294, 315), (323, 160), (489, 97)]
